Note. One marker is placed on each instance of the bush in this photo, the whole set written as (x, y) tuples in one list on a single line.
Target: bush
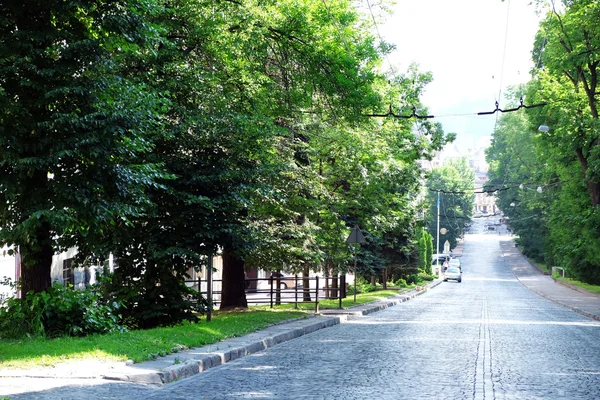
[(362, 286), (59, 311), (401, 283), (414, 279), (426, 277)]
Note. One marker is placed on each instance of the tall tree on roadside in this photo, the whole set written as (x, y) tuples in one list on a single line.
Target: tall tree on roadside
[(454, 182), (73, 131)]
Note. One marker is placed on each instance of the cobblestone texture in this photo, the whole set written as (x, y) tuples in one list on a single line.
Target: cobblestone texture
[(485, 338)]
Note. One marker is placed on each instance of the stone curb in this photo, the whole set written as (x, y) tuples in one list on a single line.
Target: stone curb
[(368, 308), (178, 366), (575, 287), (570, 307), (184, 364), (198, 360)]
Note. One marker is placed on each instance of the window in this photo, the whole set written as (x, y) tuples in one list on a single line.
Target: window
[(68, 275)]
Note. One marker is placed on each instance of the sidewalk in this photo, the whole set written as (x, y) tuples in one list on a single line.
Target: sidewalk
[(190, 362), (577, 299)]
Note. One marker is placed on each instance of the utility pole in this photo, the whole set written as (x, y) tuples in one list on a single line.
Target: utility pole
[(437, 250)]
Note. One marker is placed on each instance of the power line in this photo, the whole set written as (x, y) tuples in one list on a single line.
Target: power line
[(380, 38)]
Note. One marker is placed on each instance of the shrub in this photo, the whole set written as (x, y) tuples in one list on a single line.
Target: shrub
[(426, 277), (414, 279), (401, 283), (59, 311), (362, 286)]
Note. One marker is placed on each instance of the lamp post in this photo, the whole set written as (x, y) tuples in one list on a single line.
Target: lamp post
[(437, 249)]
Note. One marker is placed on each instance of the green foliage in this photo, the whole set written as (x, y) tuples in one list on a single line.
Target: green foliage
[(454, 181), (147, 304), (401, 283), (138, 345), (425, 251), (164, 131), (60, 311), (362, 286)]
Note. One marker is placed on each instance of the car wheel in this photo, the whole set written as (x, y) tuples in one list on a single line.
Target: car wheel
[(445, 280), (284, 285), (460, 280)]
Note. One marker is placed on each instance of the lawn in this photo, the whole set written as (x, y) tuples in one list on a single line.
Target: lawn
[(139, 345), (144, 345), (591, 288)]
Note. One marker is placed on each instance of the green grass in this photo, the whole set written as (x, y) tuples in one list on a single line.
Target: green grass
[(140, 345), (361, 298), (587, 286), (144, 345)]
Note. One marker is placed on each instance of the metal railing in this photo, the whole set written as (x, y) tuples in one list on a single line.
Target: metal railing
[(278, 290)]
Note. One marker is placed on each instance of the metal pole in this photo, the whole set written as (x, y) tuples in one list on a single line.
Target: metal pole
[(355, 276), (437, 251), (340, 289), (209, 283), (296, 291), (271, 291), (317, 295)]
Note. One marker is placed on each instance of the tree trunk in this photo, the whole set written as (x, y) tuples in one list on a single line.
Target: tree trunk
[(233, 293), (385, 278), (36, 264), (593, 187), (305, 285)]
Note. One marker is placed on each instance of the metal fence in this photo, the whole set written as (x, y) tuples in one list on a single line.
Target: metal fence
[(278, 290)]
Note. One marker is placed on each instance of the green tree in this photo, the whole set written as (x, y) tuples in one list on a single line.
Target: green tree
[(74, 129), (454, 183)]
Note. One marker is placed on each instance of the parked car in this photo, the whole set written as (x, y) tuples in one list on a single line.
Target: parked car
[(453, 273), (455, 262), (285, 280), (441, 257)]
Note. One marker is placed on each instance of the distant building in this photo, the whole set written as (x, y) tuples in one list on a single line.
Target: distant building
[(475, 156)]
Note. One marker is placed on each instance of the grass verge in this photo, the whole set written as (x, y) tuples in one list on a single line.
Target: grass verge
[(587, 286), (140, 345), (144, 345), (361, 298)]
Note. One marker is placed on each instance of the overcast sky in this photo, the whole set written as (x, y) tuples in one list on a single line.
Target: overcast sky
[(472, 47)]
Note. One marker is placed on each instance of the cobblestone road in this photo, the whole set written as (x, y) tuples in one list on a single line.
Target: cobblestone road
[(485, 338)]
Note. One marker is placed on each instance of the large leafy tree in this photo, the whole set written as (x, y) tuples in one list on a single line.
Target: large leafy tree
[(74, 130), (516, 168), (567, 59)]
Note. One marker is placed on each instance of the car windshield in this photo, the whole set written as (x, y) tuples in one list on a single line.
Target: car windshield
[(454, 262), (453, 270)]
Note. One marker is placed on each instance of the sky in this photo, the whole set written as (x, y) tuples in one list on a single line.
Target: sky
[(475, 49)]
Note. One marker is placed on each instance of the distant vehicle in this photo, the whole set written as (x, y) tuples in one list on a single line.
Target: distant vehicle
[(285, 280), (441, 257), (454, 262), (453, 274)]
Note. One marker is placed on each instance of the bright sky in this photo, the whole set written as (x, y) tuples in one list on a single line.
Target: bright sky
[(473, 48)]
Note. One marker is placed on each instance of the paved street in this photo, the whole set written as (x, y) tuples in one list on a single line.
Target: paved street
[(485, 338)]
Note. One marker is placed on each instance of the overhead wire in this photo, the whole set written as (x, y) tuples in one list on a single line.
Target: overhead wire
[(380, 38)]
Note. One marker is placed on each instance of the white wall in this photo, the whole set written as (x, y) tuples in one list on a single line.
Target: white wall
[(7, 269)]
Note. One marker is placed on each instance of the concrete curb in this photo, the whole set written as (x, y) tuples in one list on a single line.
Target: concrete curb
[(183, 365), (547, 297), (560, 303), (174, 367), (575, 287)]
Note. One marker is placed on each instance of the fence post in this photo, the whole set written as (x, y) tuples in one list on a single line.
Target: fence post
[(339, 278), (296, 291), (317, 295), (271, 291), (209, 288)]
